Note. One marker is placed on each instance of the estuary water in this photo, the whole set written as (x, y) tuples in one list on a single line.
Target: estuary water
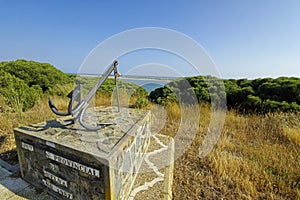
[(148, 84)]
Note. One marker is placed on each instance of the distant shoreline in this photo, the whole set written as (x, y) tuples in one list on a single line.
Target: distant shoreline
[(133, 77), (144, 78)]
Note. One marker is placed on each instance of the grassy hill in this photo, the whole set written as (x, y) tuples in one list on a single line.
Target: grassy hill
[(257, 155)]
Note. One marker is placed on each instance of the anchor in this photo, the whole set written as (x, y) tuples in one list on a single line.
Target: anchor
[(77, 111)]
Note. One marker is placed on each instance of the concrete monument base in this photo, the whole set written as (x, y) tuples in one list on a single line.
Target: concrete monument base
[(73, 163)]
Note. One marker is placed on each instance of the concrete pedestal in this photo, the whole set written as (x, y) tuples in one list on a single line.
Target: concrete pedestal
[(72, 163)]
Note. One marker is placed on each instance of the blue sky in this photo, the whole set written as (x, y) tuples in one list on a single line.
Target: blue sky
[(244, 38)]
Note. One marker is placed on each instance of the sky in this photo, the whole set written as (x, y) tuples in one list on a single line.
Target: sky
[(244, 38)]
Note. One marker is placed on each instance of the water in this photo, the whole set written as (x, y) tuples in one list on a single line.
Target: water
[(148, 84)]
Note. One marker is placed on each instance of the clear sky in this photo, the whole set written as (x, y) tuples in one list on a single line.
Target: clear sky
[(245, 38)]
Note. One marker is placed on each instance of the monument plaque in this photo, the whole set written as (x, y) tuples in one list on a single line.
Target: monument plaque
[(71, 162)]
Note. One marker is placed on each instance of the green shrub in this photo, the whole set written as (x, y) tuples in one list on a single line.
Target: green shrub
[(258, 95), (141, 102), (163, 96), (16, 93), (35, 73)]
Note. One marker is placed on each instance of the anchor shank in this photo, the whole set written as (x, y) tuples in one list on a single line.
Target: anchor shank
[(100, 82)]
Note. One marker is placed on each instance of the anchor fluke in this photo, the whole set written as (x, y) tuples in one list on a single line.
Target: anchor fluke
[(54, 109)]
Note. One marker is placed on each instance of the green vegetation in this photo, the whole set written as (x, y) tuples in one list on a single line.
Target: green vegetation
[(248, 96), (108, 87), (256, 157), (24, 82), (34, 73), (17, 93), (130, 93), (264, 95)]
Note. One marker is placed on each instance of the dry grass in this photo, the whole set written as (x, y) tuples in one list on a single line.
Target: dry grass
[(256, 157), (41, 112), (9, 120)]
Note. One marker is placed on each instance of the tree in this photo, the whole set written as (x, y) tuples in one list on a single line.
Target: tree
[(17, 94), (258, 95), (35, 73)]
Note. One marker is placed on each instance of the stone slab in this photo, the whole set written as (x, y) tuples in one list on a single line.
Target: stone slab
[(149, 184), (73, 163), (14, 187), (4, 173), (11, 168)]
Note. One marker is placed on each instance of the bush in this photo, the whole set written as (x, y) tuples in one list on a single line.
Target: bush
[(141, 102), (248, 96), (16, 93), (163, 96), (35, 73)]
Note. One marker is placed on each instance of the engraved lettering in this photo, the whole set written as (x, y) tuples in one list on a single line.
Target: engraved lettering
[(55, 178), (82, 168), (90, 172), (27, 146), (53, 167), (57, 189), (73, 164), (76, 166), (50, 144), (49, 155), (69, 163)]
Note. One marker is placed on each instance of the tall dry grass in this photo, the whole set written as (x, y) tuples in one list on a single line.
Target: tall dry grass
[(10, 119), (256, 157)]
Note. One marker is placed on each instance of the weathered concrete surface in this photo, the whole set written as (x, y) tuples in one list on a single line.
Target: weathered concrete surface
[(153, 182), (73, 163), (156, 173), (116, 162)]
